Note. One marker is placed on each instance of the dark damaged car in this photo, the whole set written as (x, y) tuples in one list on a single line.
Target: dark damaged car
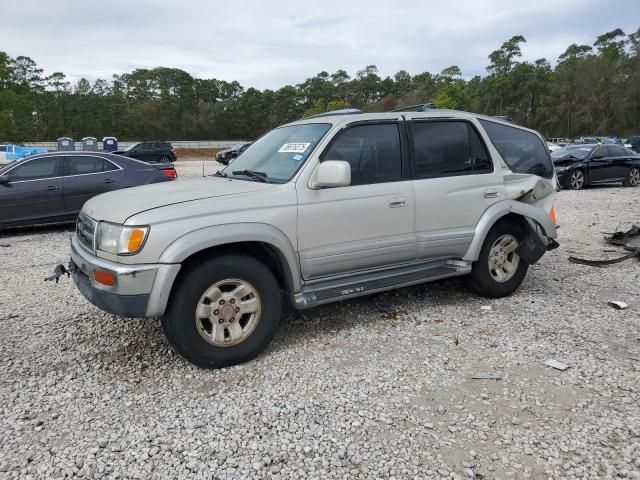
[(580, 165)]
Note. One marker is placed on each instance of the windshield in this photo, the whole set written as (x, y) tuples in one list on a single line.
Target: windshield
[(131, 147), (280, 153), (576, 152)]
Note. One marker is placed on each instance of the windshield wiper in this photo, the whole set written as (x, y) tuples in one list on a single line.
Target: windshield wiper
[(260, 176), (220, 173)]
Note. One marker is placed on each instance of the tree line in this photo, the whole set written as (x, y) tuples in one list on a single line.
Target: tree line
[(592, 89)]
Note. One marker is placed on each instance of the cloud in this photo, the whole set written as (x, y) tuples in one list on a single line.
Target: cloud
[(270, 44)]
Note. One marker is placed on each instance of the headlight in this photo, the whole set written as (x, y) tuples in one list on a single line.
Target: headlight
[(120, 239), (562, 169)]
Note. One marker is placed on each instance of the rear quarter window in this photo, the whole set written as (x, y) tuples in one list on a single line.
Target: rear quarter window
[(521, 150)]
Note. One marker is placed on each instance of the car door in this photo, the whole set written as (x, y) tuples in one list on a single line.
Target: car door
[(368, 224), (34, 193), (455, 182), (86, 176), (600, 164), (619, 159)]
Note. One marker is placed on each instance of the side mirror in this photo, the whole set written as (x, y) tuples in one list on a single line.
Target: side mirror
[(332, 173), (4, 179)]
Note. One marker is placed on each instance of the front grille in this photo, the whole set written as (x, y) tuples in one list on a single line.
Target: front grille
[(85, 230)]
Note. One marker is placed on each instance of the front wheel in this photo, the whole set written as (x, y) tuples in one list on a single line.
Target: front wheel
[(576, 180), (633, 178), (499, 270), (225, 311)]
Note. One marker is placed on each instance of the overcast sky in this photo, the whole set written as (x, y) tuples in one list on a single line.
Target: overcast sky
[(267, 44)]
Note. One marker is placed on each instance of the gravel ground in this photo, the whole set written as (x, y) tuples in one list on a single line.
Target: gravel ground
[(376, 387)]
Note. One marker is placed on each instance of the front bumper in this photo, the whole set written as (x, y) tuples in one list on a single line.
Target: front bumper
[(139, 290)]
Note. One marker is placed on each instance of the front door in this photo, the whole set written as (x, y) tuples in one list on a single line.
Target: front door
[(34, 193), (368, 224), (601, 166)]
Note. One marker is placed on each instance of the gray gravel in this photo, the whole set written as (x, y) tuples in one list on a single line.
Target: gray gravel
[(377, 387)]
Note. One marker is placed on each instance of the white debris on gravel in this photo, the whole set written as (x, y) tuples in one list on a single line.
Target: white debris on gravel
[(347, 390)]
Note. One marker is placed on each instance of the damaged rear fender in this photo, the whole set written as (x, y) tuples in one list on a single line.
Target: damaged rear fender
[(535, 220)]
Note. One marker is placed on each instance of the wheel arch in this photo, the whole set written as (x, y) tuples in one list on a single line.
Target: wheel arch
[(264, 242), (518, 211)]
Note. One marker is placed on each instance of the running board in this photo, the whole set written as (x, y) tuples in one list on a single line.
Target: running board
[(335, 289)]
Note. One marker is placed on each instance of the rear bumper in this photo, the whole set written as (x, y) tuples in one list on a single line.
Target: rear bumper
[(139, 290)]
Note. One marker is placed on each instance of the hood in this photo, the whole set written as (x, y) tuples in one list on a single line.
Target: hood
[(119, 205), (223, 152)]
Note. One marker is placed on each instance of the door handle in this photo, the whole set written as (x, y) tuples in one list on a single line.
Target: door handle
[(108, 180), (491, 193), (397, 202), (52, 187)]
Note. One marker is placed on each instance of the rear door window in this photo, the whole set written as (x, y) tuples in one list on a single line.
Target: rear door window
[(83, 165), (448, 148), (617, 151), (522, 151), (372, 151)]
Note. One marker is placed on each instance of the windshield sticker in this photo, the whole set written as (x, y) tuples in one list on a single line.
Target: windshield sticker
[(294, 147), (298, 157)]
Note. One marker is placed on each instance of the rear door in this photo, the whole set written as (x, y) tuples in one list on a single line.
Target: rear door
[(87, 176), (619, 159), (455, 182), (34, 192)]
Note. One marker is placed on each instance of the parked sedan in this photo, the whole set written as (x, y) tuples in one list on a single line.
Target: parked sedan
[(580, 165), (226, 156), (53, 187)]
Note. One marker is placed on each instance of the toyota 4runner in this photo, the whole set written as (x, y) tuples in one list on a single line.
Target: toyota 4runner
[(327, 208)]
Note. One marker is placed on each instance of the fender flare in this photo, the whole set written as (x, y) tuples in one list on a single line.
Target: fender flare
[(218, 235), (501, 209)]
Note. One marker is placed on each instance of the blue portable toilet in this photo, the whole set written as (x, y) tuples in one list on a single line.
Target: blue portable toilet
[(109, 144), (66, 144)]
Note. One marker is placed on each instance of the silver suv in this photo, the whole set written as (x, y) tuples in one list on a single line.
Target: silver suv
[(323, 209)]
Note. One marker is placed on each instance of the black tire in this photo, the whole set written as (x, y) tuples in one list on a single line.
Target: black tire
[(481, 278), (179, 322), (633, 177), (577, 180)]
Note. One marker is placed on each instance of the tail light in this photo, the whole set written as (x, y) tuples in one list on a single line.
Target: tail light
[(169, 172)]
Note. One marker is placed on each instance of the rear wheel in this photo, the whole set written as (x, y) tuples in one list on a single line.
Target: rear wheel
[(225, 311), (633, 178), (499, 270), (576, 180)]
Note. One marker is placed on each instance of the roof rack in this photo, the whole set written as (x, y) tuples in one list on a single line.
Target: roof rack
[(344, 111), (421, 107)]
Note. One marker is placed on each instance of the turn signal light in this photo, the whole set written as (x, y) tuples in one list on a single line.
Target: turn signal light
[(552, 216), (135, 240), (104, 277)]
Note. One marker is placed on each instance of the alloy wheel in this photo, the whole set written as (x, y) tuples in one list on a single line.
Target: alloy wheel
[(577, 180), (228, 312), (503, 259)]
